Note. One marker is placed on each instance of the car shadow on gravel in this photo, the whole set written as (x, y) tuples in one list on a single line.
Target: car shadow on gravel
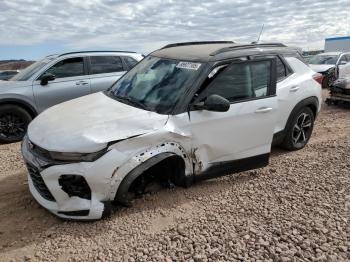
[(165, 200), (22, 220)]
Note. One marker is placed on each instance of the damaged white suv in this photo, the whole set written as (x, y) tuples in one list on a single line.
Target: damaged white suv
[(187, 112)]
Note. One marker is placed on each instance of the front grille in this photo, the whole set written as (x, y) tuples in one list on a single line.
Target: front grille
[(39, 183)]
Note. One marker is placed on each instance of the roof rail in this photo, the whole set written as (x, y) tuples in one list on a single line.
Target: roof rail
[(80, 52), (246, 46), (198, 43)]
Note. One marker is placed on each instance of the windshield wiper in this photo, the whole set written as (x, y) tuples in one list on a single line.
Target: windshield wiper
[(131, 101)]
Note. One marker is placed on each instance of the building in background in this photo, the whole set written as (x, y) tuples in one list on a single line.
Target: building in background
[(337, 44)]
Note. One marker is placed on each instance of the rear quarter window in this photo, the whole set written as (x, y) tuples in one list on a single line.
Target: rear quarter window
[(130, 62), (283, 69)]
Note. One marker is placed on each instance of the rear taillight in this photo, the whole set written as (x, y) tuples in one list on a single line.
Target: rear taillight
[(318, 77)]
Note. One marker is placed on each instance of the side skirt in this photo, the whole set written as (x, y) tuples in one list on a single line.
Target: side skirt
[(229, 167)]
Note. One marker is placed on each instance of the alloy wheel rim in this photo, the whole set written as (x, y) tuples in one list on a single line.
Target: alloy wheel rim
[(11, 126), (301, 129)]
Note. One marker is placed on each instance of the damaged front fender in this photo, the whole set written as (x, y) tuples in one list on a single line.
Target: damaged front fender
[(139, 163)]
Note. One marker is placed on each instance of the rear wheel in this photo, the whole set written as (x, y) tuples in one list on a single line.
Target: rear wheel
[(14, 121), (300, 129)]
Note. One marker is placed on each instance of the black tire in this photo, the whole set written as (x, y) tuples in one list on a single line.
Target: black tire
[(14, 121), (299, 129)]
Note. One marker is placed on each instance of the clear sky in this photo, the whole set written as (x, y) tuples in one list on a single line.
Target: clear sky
[(34, 28)]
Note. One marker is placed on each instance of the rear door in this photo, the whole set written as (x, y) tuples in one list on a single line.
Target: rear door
[(240, 138), (104, 71), (71, 81)]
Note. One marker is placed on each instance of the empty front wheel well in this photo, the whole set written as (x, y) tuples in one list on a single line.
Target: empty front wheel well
[(165, 169)]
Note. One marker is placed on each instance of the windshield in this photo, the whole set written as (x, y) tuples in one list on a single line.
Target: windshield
[(29, 71), (324, 60), (155, 84)]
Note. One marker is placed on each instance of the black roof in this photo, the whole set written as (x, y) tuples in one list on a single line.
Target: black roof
[(213, 51)]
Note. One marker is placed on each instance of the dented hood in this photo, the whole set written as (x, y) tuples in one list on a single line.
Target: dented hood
[(320, 68), (87, 124)]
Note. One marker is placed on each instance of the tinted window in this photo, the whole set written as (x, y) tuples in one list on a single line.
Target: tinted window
[(131, 62), (348, 57), (240, 81), (106, 64), (281, 69), (68, 68)]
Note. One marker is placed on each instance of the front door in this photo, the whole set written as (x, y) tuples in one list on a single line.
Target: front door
[(240, 138), (71, 81)]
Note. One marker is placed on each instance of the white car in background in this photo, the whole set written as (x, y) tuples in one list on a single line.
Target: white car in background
[(186, 112), (332, 65)]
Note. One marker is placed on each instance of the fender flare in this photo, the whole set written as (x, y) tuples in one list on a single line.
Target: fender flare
[(169, 148), (18, 102), (310, 101), (121, 195)]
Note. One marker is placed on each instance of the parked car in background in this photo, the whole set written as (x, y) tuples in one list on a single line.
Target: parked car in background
[(7, 74), (186, 112), (332, 65), (53, 80)]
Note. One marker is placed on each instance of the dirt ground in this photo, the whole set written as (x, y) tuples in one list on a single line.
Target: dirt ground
[(296, 209)]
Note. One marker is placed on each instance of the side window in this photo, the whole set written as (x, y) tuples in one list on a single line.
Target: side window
[(343, 59), (241, 81), (131, 62), (281, 69), (347, 57), (106, 64), (68, 68)]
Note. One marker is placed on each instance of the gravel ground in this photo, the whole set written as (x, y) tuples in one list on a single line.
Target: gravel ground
[(296, 209)]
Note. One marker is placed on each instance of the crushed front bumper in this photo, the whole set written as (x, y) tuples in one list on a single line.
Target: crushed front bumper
[(44, 185)]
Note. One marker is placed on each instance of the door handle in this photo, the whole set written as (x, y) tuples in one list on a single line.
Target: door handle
[(294, 88), (263, 110), (81, 83)]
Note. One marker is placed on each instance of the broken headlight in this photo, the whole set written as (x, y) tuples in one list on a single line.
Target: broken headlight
[(75, 185), (79, 157)]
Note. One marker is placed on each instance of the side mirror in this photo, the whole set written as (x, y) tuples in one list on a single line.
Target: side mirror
[(46, 78), (214, 103)]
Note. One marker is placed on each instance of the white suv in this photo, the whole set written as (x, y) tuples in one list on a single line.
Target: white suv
[(186, 112)]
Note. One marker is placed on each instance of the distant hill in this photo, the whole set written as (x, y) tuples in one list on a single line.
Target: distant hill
[(14, 64)]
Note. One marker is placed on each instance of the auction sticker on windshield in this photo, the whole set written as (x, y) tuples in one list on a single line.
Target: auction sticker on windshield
[(188, 65)]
